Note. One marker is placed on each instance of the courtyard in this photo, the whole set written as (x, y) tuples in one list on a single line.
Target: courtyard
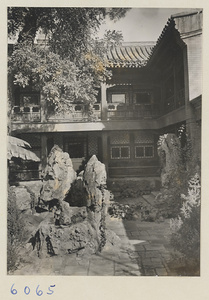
[(144, 250)]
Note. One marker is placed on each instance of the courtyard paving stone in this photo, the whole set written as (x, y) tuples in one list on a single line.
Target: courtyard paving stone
[(151, 254)]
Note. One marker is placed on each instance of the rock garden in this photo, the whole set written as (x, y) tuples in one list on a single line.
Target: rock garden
[(68, 214), (55, 222)]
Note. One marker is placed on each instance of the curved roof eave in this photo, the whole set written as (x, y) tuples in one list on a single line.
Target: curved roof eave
[(129, 55)]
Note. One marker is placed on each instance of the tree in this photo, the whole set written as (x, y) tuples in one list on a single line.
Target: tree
[(70, 66), (67, 28)]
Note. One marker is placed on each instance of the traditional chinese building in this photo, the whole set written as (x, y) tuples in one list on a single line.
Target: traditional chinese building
[(154, 89)]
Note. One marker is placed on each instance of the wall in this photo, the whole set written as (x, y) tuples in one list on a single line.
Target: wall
[(194, 55), (190, 27)]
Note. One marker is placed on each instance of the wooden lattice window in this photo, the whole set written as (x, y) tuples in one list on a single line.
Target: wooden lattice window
[(144, 151), (120, 152)]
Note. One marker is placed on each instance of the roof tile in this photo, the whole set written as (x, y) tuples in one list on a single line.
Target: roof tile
[(130, 55)]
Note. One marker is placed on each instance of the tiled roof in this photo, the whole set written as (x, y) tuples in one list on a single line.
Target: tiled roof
[(139, 54), (130, 55)]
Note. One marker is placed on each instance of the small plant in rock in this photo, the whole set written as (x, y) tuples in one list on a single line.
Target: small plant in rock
[(185, 229)]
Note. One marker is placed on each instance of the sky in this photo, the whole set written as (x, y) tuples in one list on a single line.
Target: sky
[(142, 24)]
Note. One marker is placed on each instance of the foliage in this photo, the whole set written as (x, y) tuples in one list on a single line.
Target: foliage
[(186, 144), (124, 211), (68, 30), (168, 202), (58, 79), (14, 230), (130, 188), (71, 65), (186, 228)]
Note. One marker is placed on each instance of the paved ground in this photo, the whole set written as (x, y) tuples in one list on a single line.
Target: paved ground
[(144, 251)]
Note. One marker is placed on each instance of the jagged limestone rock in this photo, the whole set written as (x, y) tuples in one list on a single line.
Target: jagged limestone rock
[(94, 178), (58, 175), (25, 199), (172, 166), (173, 176), (77, 229), (54, 240), (98, 197)]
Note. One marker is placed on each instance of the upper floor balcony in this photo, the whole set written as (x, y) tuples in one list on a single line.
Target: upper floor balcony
[(75, 113), (79, 113), (104, 111)]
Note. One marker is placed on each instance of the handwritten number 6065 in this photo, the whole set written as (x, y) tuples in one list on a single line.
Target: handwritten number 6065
[(27, 290)]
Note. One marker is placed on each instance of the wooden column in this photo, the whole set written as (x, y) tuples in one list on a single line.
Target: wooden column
[(191, 125), (43, 150), (105, 154), (104, 101), (43, 106)]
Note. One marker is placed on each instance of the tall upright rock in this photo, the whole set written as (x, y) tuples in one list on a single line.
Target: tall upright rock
[(58, 175), (173, 176), (172, 165), (98, 196)]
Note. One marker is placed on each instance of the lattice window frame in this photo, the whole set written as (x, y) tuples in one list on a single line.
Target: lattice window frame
[(120, 156), (144, 151)]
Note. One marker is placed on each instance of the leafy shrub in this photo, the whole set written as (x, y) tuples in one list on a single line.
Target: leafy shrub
[(168, 202), (14, 230), (185, 229), (130, 188)]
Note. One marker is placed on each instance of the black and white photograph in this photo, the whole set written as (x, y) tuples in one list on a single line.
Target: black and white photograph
[(104, 141)]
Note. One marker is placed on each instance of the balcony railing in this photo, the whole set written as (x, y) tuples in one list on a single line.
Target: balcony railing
[(131, 111), (26, 114), (77, 113)]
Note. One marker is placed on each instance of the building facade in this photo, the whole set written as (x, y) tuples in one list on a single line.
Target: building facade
[(155, 88)]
